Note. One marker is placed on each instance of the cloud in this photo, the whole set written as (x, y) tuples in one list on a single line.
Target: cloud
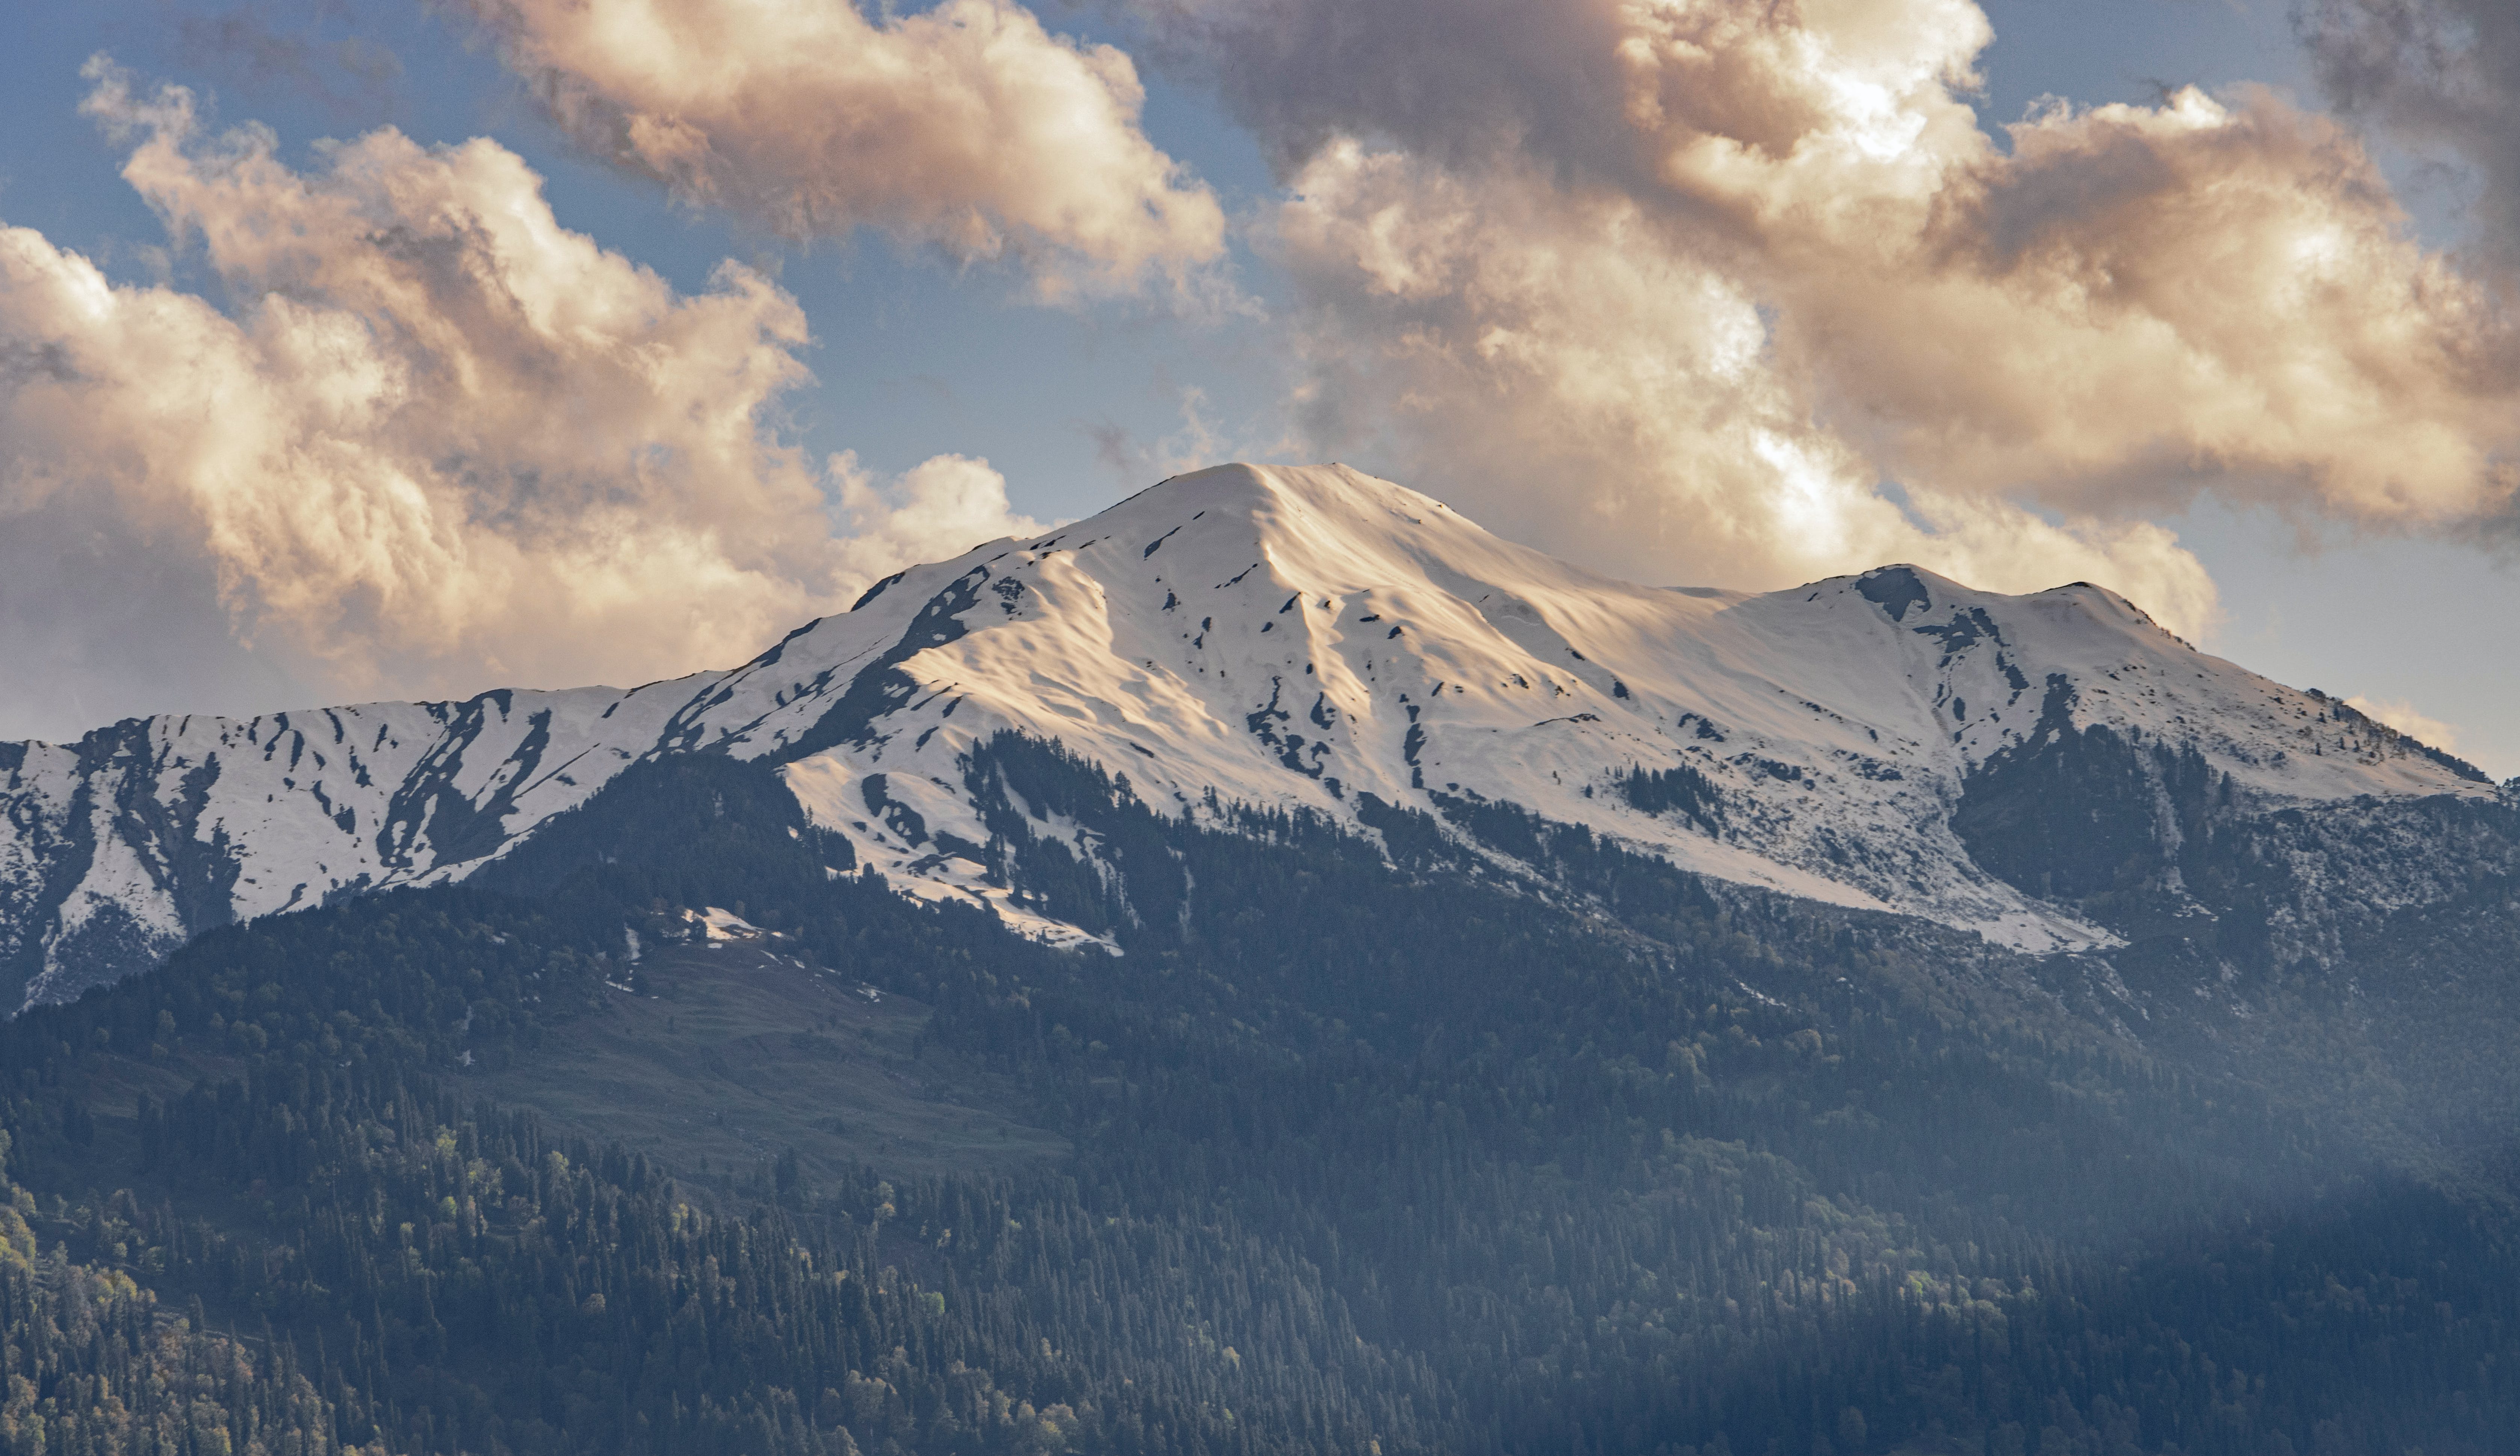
[(2401, 715), (1744, 291), (2436, 74), (437, 442), (938, 508), (1133, 462), (269, 46), (1453, 82), (1551, 364), (967, 127)]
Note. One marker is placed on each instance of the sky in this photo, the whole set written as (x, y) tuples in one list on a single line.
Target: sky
[(357, 350)]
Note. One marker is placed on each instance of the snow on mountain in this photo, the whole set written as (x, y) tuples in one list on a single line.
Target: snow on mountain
[(1304, 636), (118, 848), (1271, 636)]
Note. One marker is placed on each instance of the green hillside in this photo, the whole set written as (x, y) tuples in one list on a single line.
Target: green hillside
[(1551, 1153)]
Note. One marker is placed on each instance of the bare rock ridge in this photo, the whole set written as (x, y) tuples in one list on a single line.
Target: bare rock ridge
[(1893, 742)]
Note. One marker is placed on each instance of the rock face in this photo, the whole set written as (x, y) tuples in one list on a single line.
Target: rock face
[(2051, 771), (119, 848)]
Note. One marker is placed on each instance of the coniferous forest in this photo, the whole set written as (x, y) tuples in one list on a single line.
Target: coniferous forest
[(1488, 1138)]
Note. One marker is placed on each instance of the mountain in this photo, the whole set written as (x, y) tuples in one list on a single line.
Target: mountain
[(1274, 969), (2026, 767)]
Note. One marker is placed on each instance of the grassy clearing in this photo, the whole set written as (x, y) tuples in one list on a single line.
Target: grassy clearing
[(739, 1052)]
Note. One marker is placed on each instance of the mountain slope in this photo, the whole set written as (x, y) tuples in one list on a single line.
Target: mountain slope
[(121, 846), (1281, 637), (1364, 1158), (1313, 636)]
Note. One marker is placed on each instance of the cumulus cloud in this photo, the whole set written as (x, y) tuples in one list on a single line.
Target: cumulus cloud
[(967, 125), (436, 442), (937, 509), (1548, 361), (2401, 715), (1745, 291)]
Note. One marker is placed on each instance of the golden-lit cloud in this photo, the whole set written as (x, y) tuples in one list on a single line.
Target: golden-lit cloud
[(1744, 292), (1689, 290), (438, 442), (1547, 360), (936, 508), (966, 125)]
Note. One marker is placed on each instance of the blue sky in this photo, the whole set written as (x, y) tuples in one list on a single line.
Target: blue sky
[(916, 354)]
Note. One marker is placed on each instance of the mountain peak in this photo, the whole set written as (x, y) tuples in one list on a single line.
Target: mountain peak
[(1315, 636), (1294, 638)]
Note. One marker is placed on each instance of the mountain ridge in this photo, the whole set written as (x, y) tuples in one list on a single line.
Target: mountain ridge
[(1296, 638)]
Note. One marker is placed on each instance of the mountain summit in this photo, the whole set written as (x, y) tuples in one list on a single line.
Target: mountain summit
[(2027, 767)]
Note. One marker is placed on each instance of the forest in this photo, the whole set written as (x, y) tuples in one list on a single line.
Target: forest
[(1489, 1137)]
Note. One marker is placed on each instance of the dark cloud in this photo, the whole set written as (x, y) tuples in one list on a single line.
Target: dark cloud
[(2437, 73), (1460, 82)]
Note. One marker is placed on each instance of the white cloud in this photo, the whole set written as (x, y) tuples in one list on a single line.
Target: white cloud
[(1546, 361), (938, 508), (2401, 715), (966, 125), (1690, 282), (438, 442)]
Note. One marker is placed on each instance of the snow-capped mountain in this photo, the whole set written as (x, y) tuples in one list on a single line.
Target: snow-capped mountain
[(1268, 636)]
